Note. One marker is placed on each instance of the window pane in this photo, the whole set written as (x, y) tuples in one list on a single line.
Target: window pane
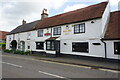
[(48, 45), (52, 47), (79, 28), (39, 45), (40, 33), (57, 31), (80, 47), (117, 48)]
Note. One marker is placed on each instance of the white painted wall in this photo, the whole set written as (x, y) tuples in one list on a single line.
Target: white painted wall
[(7, 42), (35, 38), (105, 20), (92, 30), (18, 37), (110, 49), (94, 50)]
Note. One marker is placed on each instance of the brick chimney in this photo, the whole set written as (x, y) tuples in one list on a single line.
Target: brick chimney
[(23, 22), (44, 14)]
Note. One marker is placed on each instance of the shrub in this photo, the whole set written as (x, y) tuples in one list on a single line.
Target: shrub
[(8, 51), (21, 52), (27, 52), (17, 52)]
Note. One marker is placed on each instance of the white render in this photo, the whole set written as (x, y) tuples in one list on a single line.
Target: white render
[(110, 49), (94, 32)]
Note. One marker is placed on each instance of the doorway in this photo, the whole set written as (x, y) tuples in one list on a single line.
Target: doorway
[(57, 48), (22, 45), (14, 45)]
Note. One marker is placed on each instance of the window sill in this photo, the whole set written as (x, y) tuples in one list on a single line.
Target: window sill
[(50, 50), (80, 52), (79, 33)]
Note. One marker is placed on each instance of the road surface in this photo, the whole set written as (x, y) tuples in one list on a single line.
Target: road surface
[(16, 66)]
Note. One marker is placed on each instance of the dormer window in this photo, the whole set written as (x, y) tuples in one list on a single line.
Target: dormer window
[(57, 31), (40, 33), (79, 28)]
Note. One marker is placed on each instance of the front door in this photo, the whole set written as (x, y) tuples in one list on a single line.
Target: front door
[(22, 43), (57, 48)]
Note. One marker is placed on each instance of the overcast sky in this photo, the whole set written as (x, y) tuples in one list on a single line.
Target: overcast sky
[(14, 11)]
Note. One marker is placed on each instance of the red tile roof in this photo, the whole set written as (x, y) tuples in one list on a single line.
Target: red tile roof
[(52, 38), (113, 30), (3, 35), (87, 13)]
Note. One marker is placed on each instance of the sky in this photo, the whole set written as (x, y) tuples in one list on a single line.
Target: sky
[(12, 12)]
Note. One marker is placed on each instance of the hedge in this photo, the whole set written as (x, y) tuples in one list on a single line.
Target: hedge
[(18, 52)]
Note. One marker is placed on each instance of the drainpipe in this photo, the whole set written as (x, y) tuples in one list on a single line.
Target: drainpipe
[(105, 48), (51, 32)]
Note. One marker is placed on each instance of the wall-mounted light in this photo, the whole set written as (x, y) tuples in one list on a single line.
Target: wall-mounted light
[(65, 43), (92, 22)]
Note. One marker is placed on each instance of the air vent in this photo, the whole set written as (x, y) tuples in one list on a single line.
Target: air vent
[(96, 44)]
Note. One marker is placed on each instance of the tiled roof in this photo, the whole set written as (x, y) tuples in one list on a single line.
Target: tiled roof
[(87, 13), (113, 29), (52, 38), (24, 28), (3, 35)]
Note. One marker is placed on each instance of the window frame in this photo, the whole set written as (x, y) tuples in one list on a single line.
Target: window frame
[(40, 32), (80, 27), (79, 43), (57, 31), (28, 47), (42, 48), (52, 45), (115, 48)]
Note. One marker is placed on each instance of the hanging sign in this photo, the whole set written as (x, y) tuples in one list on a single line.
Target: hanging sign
[(47, 34)]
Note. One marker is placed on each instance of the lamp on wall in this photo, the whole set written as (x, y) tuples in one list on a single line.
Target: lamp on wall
[(92, 21), (65, 43)]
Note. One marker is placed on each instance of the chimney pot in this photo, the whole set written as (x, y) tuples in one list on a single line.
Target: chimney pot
[(44, 14), (23, 22)]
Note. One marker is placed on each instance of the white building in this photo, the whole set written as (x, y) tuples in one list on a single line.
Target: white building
[(80, 32)]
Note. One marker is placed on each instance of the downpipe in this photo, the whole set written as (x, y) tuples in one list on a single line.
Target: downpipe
[(105, 48)]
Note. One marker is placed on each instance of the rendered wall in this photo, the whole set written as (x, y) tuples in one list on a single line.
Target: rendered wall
[(110, 49)]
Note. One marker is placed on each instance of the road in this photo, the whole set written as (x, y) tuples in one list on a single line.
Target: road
[(16, 66)]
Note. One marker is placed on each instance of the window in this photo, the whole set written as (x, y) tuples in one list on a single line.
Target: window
[(50, 45), (40, 33), (80, 47), (57, 31), (79, 28), (39, 45), (28, 44), (117, 48), (28, 47)]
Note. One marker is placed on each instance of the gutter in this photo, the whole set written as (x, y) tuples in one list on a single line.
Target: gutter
[(105, 48)]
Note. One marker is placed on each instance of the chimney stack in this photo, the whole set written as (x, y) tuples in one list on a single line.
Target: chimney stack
[(44, 14), (23, 22)]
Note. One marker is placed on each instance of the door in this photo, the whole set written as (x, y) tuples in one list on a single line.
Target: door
[(14, 45), (57, 48), (22, 43)]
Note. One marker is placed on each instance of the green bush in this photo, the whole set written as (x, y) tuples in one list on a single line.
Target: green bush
[(27, 52), (18, 52), (8, 51), (22, 52)]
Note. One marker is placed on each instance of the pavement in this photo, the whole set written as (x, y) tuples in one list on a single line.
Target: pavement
[(26, 66), (95, 63)]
